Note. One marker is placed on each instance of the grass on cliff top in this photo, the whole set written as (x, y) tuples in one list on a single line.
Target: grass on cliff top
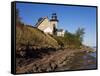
[(26, 35)]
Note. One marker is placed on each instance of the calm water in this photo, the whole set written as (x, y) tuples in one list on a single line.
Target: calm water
[(90, 60), (86, 61), (93, 54)]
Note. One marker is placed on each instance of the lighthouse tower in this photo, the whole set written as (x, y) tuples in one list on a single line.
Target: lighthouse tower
[(54, 22)]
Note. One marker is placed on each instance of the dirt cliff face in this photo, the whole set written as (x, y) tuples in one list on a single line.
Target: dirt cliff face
[(33, 37)]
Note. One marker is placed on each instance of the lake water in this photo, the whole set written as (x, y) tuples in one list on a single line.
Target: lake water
[(93, 54), (92, 64), (87, 61), (83, 62), (90, 60)]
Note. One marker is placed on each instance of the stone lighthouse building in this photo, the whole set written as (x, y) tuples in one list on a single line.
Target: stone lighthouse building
[(49, 26)]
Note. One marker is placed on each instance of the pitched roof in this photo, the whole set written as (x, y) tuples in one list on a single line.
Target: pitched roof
[(40, 20)]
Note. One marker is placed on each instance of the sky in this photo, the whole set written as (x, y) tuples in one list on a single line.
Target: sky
[(70, 18)]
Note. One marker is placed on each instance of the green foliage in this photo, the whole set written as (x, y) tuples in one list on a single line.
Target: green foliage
[(74, 40), (70, 40), (18, 18), (79, 33)]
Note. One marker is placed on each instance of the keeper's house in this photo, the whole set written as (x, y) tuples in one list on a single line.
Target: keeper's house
[(49, 26)]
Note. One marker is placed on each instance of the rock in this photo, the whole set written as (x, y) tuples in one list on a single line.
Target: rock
[(53, 66), (34, 69), (61, 65), (22, 53), (48, 69)]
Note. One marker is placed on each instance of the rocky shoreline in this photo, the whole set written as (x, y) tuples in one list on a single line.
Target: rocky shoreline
[(53, 61)]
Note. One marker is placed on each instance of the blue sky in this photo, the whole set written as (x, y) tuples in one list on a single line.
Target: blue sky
[(70, 18)]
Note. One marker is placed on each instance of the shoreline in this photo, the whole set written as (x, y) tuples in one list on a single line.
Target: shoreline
[(56, 59)]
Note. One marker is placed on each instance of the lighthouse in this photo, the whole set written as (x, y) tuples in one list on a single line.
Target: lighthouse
[(53, 22)]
